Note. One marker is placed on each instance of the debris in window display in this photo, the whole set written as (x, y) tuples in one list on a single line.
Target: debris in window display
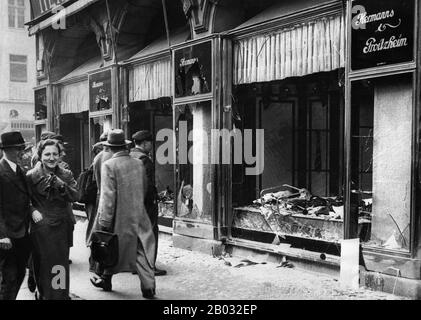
[(299, 213)]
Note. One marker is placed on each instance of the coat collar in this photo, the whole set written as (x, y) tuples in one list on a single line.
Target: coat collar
[(10, 175), (140, 152), (39, 172), (121, 154)]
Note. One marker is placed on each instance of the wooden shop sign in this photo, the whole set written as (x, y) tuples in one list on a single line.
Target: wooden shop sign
[(100, 91), (382, 33)]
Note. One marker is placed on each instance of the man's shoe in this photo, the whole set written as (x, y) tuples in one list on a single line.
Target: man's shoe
[(160, 272), (104, 283), (149, 293), (31, 283)]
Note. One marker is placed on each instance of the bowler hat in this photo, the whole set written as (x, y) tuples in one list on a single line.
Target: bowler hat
[(12, 140), (143, 135), (116, 139)]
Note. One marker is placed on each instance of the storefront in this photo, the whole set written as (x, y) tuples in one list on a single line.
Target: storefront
[(333, 87), (382, 134), (288, 81), (150, 108)]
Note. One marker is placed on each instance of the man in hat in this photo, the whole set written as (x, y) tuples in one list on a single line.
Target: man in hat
[(122, 211), (142, 151), (15, 212)]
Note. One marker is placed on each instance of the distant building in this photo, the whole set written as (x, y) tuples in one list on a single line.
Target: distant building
[(17, 69)]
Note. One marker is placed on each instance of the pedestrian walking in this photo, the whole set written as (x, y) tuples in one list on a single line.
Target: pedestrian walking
[(122, 211), (14, 216), (49, 135), (53, 190), (99, 159), (143, 147)]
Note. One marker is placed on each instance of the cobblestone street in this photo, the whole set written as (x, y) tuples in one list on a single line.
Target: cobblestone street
[(196, 276)]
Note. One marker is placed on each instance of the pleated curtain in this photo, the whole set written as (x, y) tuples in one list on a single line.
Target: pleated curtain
[(74, 98), (296, 51), (150, 81)]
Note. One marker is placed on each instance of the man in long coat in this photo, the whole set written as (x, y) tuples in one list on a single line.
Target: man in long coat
[(15, 213), (144, 144), (122, 210)]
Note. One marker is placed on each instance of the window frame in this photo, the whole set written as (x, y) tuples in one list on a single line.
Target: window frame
[(15, 12), (18, 63)]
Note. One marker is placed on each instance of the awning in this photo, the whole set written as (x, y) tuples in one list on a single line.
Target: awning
[(150, 81), (74, 88), (71, 9), (74, 97), (150, 69), (299, 50)]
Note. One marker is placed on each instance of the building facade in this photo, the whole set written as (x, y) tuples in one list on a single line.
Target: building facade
[(304, 119), (17, 65)]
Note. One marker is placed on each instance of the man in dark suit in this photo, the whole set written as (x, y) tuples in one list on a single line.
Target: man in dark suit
[(15, 212), (144, 144)]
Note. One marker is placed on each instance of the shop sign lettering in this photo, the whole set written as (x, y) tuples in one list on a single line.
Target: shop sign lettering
[(382, 33), (100, 91), (193, 70), (40, 7)]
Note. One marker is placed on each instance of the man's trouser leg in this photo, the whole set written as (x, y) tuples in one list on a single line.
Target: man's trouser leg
[(156, 234), (13, 268), (144, 269)]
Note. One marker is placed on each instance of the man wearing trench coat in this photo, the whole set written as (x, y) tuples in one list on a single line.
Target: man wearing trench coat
[(121, 210)]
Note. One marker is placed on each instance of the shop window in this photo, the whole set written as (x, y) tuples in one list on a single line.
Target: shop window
[(194, 123), (18, 68), (156, 115), (17, 14), (300, 192), (99, 125), (381, 160), (41, 104)]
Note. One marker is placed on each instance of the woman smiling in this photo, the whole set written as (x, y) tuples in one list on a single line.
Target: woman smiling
[(53, 190)]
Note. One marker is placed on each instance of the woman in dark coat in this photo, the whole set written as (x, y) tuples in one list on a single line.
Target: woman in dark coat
[(53, 191)]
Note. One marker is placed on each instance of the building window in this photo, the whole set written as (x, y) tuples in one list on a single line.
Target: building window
[(17, 14), (18, 68)]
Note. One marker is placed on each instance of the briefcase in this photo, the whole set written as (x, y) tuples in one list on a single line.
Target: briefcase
[(104, 248)]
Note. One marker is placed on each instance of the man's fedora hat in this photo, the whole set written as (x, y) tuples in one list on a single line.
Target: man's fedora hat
[(143, 135), (12, 140), (116, 139)]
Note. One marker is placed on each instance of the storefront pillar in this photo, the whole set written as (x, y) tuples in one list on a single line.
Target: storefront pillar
[(115, 93)]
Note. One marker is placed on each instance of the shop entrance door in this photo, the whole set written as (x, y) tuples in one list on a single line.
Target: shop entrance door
[(73, 128)]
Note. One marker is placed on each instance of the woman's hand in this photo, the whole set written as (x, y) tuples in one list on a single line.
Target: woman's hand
[(60, 184), (37, 216)]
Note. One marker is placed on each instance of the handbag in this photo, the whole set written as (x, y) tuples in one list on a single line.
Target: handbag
[(104, 248)]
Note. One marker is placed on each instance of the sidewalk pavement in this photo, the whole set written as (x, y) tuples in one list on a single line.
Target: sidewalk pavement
[(196, 276)]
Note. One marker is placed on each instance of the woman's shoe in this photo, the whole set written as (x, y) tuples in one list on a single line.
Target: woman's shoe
[(104, 283)]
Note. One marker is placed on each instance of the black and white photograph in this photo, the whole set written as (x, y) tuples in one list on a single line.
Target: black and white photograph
[(209, 156)]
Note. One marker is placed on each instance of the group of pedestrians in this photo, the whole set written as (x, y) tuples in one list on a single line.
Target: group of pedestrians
[(37, 221)]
